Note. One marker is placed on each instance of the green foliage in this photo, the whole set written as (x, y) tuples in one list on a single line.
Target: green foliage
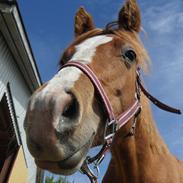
[(59, 180)]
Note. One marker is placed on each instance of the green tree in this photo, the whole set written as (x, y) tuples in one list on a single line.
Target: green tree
[(59, 180)]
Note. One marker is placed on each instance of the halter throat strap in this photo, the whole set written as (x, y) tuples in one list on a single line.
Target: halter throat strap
[(154, 100)]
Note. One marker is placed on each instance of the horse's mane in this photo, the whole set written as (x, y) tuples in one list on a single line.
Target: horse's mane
[(131, 37)]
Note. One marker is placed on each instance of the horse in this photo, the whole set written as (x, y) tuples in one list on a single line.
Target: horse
[(79, 107)]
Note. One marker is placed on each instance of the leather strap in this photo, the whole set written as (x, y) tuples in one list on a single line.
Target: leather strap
[(154, 100)]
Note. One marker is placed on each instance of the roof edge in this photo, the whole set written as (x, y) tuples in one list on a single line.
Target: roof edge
[(11, 15)]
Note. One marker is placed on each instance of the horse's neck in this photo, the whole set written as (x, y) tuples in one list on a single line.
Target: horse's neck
[(141, 158)]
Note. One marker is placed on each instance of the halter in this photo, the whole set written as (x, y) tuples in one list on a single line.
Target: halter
[(113, 124)]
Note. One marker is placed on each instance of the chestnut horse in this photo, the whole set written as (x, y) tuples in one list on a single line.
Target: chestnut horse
[(66, 116)]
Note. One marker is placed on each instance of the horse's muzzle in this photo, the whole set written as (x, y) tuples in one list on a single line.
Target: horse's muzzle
[(49, 121)]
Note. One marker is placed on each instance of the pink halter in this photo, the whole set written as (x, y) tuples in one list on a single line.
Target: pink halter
[(114, 123), (122, 119)]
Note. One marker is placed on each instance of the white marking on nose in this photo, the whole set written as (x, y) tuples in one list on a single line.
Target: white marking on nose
[(65, 78)]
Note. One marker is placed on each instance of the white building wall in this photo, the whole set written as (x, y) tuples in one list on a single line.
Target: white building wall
[(9, 73)]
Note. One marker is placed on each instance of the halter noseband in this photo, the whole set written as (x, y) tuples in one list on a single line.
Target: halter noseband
[(113, 123)]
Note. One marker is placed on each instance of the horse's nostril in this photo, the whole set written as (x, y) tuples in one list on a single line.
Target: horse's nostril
[(71, 110)]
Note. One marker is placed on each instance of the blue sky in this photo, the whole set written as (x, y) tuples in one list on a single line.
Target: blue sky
[(50, 29)]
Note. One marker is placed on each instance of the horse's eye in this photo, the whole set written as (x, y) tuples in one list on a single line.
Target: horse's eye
[(129, 56)]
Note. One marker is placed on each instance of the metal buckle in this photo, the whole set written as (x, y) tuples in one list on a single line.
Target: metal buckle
[(93, 167), (110, 129), (133, 127)]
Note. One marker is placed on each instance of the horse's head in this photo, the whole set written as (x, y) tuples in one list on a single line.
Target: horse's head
[(65, 117)]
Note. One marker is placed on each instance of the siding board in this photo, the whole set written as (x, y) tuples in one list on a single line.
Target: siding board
[(9, 73)]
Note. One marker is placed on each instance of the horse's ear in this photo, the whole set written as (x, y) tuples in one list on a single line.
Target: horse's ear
[(83, 22), (129, 16)]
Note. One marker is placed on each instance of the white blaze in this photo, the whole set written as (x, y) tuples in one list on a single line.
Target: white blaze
[(87, 49), (85, 52)]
